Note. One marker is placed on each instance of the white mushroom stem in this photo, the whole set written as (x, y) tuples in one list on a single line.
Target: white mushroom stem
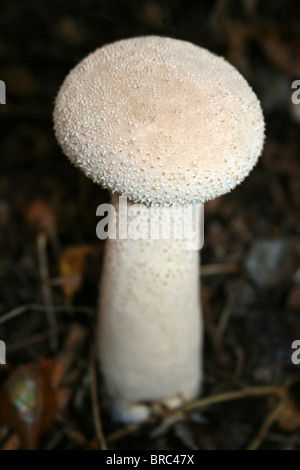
[(150, 329)]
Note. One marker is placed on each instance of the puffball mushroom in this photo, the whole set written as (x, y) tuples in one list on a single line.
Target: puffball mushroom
[(165, 123)]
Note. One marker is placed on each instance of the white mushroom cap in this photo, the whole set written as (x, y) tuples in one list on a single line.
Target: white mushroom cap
[(159, 120)]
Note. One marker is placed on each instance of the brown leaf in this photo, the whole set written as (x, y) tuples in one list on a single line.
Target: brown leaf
[(289, 418), (29, 401), (72, 264), (33, 395), (12, 443), (40, 217)]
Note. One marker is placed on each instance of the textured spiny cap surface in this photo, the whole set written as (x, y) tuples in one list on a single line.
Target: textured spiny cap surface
[(159, 120)]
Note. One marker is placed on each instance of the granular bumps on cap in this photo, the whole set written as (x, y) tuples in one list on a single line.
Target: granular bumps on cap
[(159, 120)]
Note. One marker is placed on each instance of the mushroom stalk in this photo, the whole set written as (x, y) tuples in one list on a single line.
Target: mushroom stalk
[(150, 329)]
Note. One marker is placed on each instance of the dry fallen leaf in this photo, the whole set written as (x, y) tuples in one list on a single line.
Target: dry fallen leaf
[(34, 394), (289, 418), (30, 402), (72, 263), (40, 216)]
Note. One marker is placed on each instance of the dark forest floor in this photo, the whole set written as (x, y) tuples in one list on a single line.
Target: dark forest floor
[(50, 258)]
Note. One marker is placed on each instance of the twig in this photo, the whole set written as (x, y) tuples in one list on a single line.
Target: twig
[(95, 402), (72, 432), (267, 423), (131, 428), (241, 229), (226, 312), (215, 269), (240, 359), (56, 439), (229, 396), (47, 293), (289, 441), (213, 333), (278, 390), (73, 343), (39, 307), (32, 340), (14, 313), (12, 443)]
